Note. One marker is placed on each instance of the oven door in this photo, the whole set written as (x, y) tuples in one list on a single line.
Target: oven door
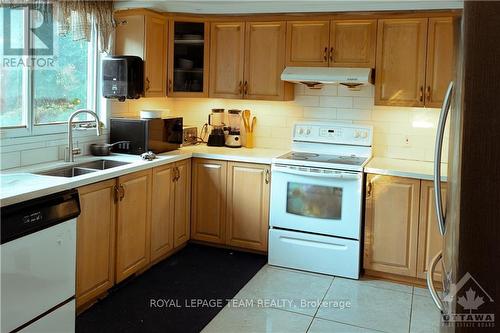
[(316, 200)]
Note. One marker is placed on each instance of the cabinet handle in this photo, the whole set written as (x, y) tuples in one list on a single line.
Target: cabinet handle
[(170, 85), (428, 97), (369, 190), (331, 54), (240, 87), (245, 88), (117, 193), (325, 54), (268, 176), (174, 174), (177, 174), (421, 94), (122, 192), (148, 84)]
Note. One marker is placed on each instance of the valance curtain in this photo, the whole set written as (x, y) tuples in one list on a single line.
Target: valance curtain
[(77, 17)]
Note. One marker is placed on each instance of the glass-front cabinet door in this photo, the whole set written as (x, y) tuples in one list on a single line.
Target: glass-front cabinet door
[(188, 58)]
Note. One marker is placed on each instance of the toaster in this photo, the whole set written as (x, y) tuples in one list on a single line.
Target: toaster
[(189, 135)]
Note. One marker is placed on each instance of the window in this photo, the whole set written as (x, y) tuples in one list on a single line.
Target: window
[(39, 87)]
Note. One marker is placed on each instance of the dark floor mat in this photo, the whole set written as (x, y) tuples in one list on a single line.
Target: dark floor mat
[(195, 274)]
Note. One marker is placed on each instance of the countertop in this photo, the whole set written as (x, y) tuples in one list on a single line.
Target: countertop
[(20, 184), (404, 168), (250, 155)]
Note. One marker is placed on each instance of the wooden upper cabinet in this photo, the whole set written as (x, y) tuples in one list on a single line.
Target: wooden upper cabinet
[(352, 43), (391, 224), (227, 54), (155, 65), (133, 223), (430, 241), (401, 58), (264, 62), (145, 36), (188, 65), (440, 53), (248, 205), (162, 211), (307, 43), (95, 254), (182, 205), (208, 200)]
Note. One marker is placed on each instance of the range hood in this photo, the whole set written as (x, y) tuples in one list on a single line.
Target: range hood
[(314, 76)]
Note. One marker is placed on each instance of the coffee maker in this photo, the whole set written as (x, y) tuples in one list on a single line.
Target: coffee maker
[(233, 139), (216, 121)]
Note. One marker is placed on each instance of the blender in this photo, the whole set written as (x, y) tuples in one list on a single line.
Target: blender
[(216, 121), (233, 139)]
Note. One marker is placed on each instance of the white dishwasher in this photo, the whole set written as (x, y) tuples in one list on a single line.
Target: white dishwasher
[(38, 252)]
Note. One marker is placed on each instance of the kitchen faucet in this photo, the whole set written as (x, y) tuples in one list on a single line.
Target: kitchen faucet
[(75, 151)]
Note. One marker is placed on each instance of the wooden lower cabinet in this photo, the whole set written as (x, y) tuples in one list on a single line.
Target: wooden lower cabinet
[(162, 212), (230, 203), (208, 200), (170, 209), (128, 222), (248, 205), (430, 241), (133, 230), (95, 259), (401, 232), (391, 224), (182, 202)]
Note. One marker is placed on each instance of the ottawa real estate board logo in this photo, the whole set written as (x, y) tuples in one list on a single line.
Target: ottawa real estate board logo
[(471, 297), (28, 36)]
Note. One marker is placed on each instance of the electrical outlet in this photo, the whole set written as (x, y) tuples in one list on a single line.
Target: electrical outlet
[(406, 141)]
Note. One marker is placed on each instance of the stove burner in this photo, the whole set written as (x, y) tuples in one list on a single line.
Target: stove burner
[(325, 158), (304, 155)]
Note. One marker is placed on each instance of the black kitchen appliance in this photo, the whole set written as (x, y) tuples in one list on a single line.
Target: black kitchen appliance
[(122, 77), (157, 135)]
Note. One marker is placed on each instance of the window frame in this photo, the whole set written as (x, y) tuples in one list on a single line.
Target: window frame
[(29, 128)]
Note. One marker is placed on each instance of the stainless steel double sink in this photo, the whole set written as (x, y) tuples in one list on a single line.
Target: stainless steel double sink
[(83, 168)]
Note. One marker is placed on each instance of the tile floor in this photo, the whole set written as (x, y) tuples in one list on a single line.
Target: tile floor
[(282, 300)]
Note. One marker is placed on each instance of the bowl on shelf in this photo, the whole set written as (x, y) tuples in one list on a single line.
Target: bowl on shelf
[(192, 37), (185, 63)]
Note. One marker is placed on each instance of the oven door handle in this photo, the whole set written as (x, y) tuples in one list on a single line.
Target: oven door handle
[(332, 175)]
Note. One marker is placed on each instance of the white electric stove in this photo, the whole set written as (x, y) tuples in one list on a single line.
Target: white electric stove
[(316, 199)]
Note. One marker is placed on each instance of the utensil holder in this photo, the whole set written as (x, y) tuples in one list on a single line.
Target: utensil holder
[(249, 140)]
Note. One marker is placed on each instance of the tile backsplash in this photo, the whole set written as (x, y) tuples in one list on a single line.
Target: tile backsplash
[(399, 132), (23, 151)]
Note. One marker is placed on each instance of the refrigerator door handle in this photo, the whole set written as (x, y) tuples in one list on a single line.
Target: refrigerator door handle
[(437, 159), (430, 281)]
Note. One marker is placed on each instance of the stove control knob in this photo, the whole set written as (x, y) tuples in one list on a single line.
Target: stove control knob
[(356, 134), (364, 134), (301, 131), (308, 131)]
